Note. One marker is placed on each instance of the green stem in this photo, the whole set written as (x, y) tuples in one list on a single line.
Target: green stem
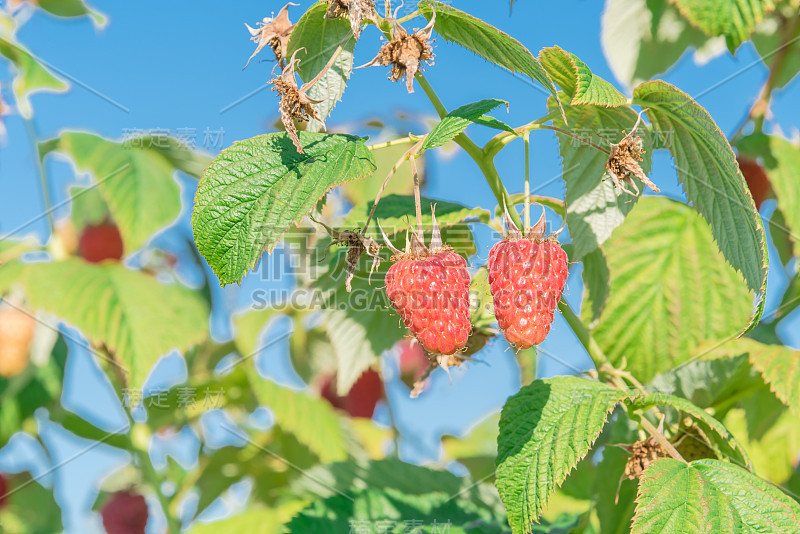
[(410, 138), (526, 137), (482, 159), (595, 352), (42, 176)]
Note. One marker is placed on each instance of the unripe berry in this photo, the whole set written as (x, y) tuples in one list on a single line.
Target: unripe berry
[(16, 334)]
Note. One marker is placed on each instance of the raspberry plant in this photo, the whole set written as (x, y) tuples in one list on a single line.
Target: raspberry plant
[(688, 419)]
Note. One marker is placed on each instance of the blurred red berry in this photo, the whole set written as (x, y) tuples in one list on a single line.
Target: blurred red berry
[(125, 513), (412, 361), (3, 491), (101, 242), (362, 397), (756, 178)]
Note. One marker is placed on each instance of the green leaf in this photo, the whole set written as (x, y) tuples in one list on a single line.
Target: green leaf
[(30, 509), (457, 120), (545, 430), (577, 81), (709, 383), (615, 494), (321, 37), (594, 208), (670, 289), (137, 318), (402, 183), (595, 283), (710, 496), (781, 161), (778, 364), (32, 76), (88, 207), (255, 519), (310, 419), (136, 183), (71, 9), (642, 38), (722, 441), (391, 473), (487, 41), (178, 154), (394, 512), (774, 450), (395, 211), (735, 20), (256, 189), (707, 169)]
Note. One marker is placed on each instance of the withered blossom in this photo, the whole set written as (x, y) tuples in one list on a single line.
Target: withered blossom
[(274, 32), (406, 53), (295, 102), (356, 11), (623, 163), (357, 244)]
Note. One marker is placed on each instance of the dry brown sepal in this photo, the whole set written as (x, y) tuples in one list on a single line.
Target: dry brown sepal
[(295, 102), (623, 163), (274, 32), (356, 11), (643, 453), (406, 53), (357, 245)]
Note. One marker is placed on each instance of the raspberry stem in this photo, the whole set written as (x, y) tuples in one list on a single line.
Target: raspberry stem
[(417, 201), (483, 159), (526, 138)]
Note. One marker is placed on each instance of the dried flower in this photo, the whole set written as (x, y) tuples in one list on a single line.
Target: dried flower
[(357, 244), (295, 103), (406, 52), (623, 163), (642, 454), (274, 32), (357, 11)]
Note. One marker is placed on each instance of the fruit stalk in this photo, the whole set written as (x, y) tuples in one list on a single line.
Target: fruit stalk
[(417, 201), (527, 226)]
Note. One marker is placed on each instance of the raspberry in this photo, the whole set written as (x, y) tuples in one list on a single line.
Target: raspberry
[(125, 513), (16, 334), (101, 242), (429, 288), (527, 277), (756, 178), (362, 398), (3, 491)]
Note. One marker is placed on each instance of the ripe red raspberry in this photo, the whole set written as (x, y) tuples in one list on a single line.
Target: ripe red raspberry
[(125, 513), (101, 242), (429, 288), (527, 277)]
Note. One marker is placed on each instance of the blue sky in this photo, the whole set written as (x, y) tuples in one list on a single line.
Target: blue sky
[(177, 66)]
